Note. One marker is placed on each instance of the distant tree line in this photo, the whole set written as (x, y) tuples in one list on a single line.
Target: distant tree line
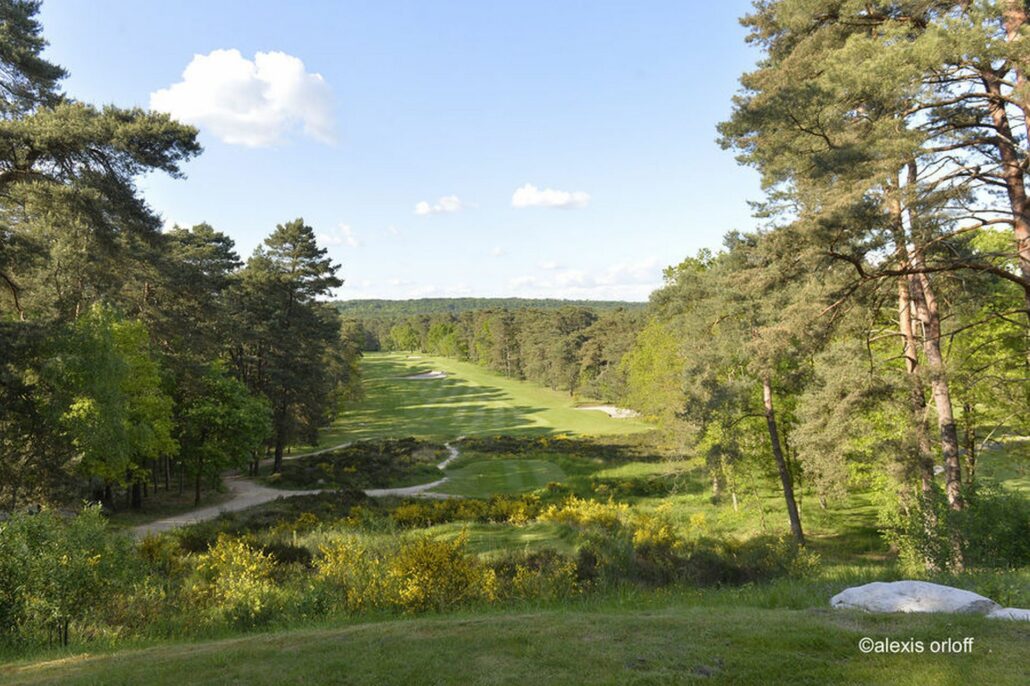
[(417, 306), (574, 349), (132, 359)]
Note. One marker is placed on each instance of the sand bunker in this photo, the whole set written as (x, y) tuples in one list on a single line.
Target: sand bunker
[(612, 411), (435, 374), (414, 357)]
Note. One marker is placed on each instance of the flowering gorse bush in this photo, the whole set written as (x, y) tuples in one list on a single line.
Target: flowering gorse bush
[(233, 582), (582, 513)]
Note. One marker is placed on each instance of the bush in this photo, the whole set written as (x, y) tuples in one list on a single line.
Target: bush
[(55, 571), (431, 575), (993, 531), (287, 553), (582, 513), (516, 510), (233, 582), (367, 464), (544, 574), (414, 575)]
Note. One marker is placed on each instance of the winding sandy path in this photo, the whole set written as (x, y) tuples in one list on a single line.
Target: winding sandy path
[(246, 493), (421, 490)]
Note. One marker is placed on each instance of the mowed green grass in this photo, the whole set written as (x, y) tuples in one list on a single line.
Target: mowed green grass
[(486, 478), (661, 641), (471, 401)]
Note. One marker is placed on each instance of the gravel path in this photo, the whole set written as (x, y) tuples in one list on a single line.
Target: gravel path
[(421, 490), (246, 493)]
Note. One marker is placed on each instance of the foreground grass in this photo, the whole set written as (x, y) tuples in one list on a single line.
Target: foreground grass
[(662, 641), (471, 401)]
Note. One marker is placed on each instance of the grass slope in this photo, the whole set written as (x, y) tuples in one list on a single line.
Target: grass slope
[(653, 644), (500, 477), (471, 401)]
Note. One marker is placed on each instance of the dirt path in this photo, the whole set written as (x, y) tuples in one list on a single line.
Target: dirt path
[(247, 493), (421, 490)]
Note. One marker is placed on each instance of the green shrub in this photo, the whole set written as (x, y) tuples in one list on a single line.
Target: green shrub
[(993, 531), (55, 571), (545, 574)]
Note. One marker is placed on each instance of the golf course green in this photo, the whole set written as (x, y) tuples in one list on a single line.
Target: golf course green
[(465, 400)]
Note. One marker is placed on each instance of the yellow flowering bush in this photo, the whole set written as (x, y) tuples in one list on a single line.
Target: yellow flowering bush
[(354, 573), (580, 512), (427, 574), (655, 530), (554, 579), (234, 582), (416, 575)]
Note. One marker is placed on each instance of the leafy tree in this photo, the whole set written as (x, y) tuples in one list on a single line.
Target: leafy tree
[(222, 425), (289, 344), (116, 415)]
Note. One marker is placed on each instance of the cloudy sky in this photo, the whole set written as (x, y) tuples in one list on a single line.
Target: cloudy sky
[(539, 149)]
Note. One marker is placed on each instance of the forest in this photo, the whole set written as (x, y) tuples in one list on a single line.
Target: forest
[(865, 350), (136, 359)]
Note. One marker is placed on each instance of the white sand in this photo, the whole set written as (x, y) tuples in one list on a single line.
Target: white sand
[(435, 374), (612, 411)]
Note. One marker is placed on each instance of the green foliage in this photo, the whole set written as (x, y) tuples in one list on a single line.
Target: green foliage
[(117, 415), (221, 425), (993, 531), (56, 571), (288, 346), (544, 575)]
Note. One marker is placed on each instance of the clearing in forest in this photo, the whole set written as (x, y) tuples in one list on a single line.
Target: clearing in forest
[(404, 398)]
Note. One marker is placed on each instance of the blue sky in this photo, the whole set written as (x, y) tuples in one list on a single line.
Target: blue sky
[(351, 114)]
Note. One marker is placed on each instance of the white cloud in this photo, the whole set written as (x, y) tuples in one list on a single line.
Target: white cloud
[(392, 230), (341, 235), (620, 281), (548, 265), (498, 251), (448, 204), (250, 102), (430, 291), (531, 196)]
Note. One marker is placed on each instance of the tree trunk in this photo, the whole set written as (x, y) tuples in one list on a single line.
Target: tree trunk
[(196, 483), (136, 500), (925, 301), (781, 463), (926, 309), (277, 462), (969, 419), (923, 458), (280, 435), (1011, 168)]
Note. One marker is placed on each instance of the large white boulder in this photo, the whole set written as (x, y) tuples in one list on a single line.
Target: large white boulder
[(1016, 613), (913, 596)]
